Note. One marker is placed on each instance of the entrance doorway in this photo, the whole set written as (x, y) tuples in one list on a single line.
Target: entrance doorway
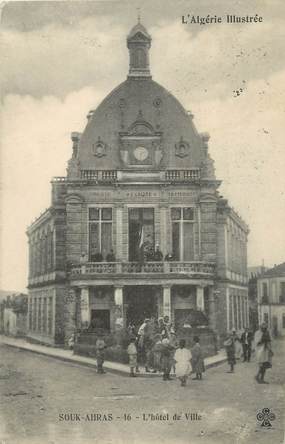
[(141, 303), (100, 319), (141, 234)]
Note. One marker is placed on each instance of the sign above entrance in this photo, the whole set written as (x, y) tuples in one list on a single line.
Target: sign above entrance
[(142, 195)]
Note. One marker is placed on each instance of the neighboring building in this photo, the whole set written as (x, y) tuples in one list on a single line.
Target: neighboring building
[(271, 299), (13, 314), (140, 175), (253, 274)]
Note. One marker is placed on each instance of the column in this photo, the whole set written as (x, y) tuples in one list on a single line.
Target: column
[(200, 305), (39, 314), (233, 310), (164, 247), (238, 312), (212, 308), (119, 309), (84, 306), (246, 311), (242, 311), (35, 314), (42, 314), (50, 315), (228, 308), (199, 232), (166, 301), (119, 232), (69, 317), (45, 314)]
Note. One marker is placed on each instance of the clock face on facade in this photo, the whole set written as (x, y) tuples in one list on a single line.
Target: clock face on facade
[(141, 153)]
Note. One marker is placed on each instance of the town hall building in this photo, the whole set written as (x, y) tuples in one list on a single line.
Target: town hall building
[(137, 228)]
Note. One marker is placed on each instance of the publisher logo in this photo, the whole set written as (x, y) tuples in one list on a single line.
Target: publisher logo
[(265, 417)]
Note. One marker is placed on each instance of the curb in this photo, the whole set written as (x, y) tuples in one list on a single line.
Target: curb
[(94, 365)]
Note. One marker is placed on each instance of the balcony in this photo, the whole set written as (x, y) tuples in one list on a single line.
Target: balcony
[(111, 176), (204, 269)]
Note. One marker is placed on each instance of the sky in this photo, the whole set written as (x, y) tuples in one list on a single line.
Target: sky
[(60, 59)]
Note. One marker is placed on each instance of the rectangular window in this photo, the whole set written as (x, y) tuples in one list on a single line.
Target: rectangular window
[(183, 233), (39, 314), (50, 315), (283, 320), (44, 320), (35, 313), (264, 293), (30, 313), (100, 233), (265, 318)]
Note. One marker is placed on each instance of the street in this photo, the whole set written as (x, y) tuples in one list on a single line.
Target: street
[(44, 400)]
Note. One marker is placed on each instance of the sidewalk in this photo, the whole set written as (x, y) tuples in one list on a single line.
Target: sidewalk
[(68, 356)]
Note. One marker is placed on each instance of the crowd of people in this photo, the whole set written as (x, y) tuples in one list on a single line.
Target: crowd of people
[(155, 347), (241, 347), (150, 254)]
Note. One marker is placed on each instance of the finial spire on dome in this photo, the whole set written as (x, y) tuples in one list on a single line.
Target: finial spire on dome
[(139, 15), (139, 42)]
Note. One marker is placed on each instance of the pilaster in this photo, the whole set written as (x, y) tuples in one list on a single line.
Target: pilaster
[(85, 306), (119, 309), (166, 298), (200, 303)]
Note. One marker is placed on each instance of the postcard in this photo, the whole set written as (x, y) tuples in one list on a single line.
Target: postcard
[(142, 293)]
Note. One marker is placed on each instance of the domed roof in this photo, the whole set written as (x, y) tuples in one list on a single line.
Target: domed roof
[(161, 117), (138, 28), (140, 124)]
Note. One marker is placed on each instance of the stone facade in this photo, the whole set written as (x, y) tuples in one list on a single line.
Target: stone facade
[(140, 176)]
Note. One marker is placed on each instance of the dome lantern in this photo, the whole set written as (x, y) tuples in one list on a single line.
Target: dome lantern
[(139, 43)]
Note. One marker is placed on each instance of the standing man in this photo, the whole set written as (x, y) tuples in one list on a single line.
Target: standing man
[(246, 340), (230, 350), (142, 342), (157, 256), (100, 353), (263, 352), (166, 358)]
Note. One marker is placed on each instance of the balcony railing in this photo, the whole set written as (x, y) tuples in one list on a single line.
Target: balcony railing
[(190, 175), (187, 268), (104, 175), (183, 175)]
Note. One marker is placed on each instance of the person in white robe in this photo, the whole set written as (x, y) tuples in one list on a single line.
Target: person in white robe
[(182, 359)]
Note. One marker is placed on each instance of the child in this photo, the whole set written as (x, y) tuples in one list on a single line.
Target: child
[(182, 358), (71, 341), (132, 352), (100, 354), (197, 360)]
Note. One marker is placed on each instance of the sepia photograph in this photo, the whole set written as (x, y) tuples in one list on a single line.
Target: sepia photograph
[(142, 278)]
